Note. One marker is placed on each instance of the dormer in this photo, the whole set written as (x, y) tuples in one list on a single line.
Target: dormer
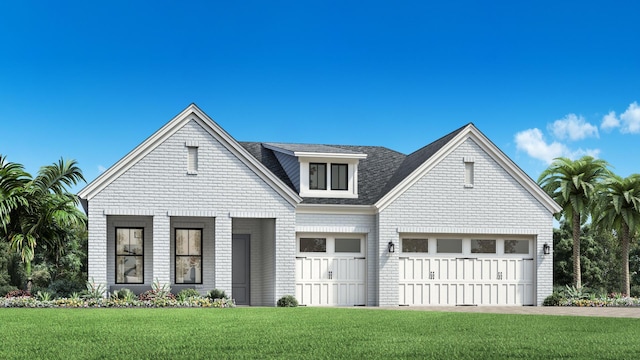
[(320, 171)]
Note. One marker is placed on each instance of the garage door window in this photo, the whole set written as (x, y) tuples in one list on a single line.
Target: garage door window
[(313, 245), (483, 246), (415, 245), (347, 245), (449, 246), (516, 246)]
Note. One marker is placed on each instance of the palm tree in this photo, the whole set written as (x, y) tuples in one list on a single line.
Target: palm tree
[(619, 210), (38, 209), (571, 183)]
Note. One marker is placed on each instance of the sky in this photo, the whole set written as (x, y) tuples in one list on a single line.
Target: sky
[(91, 80)]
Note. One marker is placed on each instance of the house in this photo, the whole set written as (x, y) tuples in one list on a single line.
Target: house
[(454, 223)]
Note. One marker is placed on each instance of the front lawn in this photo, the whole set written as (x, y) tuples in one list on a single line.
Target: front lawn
[(309, 333)]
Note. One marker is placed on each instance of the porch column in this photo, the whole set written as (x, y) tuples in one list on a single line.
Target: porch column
[(285, 257), (161, 249), (222, 256), (97, 247)]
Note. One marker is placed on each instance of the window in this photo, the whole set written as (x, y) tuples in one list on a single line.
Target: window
[(318, 176), (483, 246), (347, 245), (339, 177), (468, 174), (415, 245), (129, 255), (516, 246), (192, 160), (188, 256), (449, 246), (313, 245)]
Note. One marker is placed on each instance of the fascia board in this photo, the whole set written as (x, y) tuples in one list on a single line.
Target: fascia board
[(307, 154), (169, 129), (471, 132), (112, 173), (241, 153)]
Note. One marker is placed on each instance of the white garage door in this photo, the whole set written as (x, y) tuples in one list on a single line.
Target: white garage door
[(330, 270), (447, 271)]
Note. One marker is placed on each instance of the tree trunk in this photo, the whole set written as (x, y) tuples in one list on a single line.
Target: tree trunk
[(577, 278), (27, 266), (626, 288)]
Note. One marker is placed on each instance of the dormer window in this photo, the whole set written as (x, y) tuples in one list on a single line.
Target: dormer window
[(339, 176), (318, 176), (320, 171)]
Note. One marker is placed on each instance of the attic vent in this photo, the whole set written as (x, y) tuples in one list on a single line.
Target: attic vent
[(468, 172), (192, 160)]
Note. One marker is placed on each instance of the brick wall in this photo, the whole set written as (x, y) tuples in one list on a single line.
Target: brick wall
[(440, 203)]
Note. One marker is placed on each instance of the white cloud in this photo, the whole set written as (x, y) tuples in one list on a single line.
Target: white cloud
[(101, 169), (532, 142), (610, 121), (631, 119), (628, 122), (573, 127)]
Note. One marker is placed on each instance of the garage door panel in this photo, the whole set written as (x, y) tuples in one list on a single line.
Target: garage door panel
[(465, 281)]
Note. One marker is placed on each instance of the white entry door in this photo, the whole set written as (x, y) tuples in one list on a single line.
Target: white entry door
[(331, 270), (490, 275)]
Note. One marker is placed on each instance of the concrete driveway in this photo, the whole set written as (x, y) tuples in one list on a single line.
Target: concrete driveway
[(623, 312)]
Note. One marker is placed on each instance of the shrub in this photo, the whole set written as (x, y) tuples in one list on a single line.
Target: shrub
[(157, 293), (217, 294), (43, 296), (18, 293), (64, 288), (124, 294), (573, 292), (5, 289), (187, 294), (553, 300), (287, 301), (94, 291)]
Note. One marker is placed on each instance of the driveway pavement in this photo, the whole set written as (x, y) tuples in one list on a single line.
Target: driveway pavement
[(623, 312)]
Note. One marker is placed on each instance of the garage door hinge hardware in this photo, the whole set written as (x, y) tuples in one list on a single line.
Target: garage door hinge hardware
[(403, 257), (330, 275), (432, 275), (528, 259), (467, 258), (499, 277), (301, 257), (359, 258)]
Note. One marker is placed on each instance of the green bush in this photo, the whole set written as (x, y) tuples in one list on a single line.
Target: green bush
[(64, 288), (553, 300), (186, 294), (287, 301), (217, 294), (5, 289), (124, 294)]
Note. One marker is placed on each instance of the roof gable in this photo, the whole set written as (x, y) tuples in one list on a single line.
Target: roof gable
[(417, 164), (192, 112)]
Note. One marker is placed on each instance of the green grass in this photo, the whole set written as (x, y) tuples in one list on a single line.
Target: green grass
[(309, 333)]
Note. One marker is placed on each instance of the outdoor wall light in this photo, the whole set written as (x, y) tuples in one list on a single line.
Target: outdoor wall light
[(391, 247), (546, 249)]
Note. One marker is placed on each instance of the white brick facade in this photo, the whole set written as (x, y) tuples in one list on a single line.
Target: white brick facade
[(440, 203), (152, 189)]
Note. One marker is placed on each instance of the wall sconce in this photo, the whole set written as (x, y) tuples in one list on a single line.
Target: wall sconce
[(391, 247), (546, 249)]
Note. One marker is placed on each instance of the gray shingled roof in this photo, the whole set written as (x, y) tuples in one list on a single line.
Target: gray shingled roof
[(379, 173)]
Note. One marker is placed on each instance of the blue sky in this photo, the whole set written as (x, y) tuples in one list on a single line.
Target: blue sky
[(90, 81)]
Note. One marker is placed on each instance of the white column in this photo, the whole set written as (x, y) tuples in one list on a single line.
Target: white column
[(97, 247), (285, 254), (222, 256), (161, 249)]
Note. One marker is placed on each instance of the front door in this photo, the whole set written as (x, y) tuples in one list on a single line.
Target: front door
[(240, 269)]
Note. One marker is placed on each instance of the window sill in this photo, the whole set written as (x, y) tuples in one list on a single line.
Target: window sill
[(192, 173)]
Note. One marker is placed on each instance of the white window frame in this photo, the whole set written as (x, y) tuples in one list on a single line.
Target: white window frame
[(192, 157), (352, 178), (466, 245)]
